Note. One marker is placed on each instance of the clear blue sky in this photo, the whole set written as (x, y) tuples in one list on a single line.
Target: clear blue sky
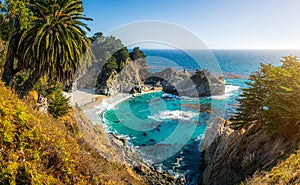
[(223, 24)]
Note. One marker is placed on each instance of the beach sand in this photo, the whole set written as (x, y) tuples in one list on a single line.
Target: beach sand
[(93, 105)]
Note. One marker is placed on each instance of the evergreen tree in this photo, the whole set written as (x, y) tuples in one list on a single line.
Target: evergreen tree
[(111, 64), (121, 56), (272, 99), (136, 54)]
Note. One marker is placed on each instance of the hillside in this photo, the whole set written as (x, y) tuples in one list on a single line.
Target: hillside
[(38, 149), (253, 154), (286, 172)]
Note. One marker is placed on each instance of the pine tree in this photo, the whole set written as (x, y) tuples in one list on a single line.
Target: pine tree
[(272, 99)]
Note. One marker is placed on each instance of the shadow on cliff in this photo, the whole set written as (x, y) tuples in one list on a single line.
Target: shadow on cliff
[(234, 156)]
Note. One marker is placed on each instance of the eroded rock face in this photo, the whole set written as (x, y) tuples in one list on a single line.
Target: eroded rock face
[(234, 156), (135, 77), (182, 83), (215, 130), (132, 75), (154, 177)]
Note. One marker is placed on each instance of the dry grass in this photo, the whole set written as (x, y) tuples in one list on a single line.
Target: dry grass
[(38, 149), (286, 172)]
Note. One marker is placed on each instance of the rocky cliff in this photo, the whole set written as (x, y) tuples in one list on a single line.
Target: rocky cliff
[(131, 75), (135, 77), (182, 83), (234, 156), (87, 80)]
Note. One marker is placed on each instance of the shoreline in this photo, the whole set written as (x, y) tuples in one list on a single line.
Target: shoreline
[(91, 106)]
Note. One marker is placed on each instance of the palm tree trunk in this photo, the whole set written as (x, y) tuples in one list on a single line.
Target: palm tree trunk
[(8, 74), (28, 84)]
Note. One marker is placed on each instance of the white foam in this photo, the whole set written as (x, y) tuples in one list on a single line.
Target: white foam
[(229, 91), (174, 115), (231, 88), (121, 136)]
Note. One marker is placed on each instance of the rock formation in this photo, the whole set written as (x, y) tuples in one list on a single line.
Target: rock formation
[(132, 75), (136, 78), (215, 130), (234, 156), (182, 83)]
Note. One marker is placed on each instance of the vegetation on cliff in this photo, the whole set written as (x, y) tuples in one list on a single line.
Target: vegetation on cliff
[(121, 73), (38, 149), (103, 47), (286, 172), (42, 46), (118, 60), (278, 111), (136, 54)]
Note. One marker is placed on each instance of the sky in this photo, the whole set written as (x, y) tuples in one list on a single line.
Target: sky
[(220, 24)]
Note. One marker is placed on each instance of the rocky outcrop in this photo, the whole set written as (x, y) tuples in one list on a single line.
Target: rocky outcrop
[(135, 77), (216, 129), (133, 74), (154, 177), (182, 83), (234, 156), (88, 79)]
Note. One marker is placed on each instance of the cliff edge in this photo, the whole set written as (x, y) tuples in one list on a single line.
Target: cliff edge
[(235, 156)]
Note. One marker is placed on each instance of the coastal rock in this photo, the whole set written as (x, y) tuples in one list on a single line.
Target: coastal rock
[(168, 79), (143, 169), (136, 89), (233, 155), (135, 77), (182, 83), (215, 130), (154, 177), (132, 75)]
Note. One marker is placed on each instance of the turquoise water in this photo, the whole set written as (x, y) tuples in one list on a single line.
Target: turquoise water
[(167, 133)]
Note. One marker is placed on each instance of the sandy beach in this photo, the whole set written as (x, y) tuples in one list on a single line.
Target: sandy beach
[(94, 105)]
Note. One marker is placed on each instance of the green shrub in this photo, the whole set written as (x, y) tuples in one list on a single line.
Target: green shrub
[(136, 54), (58, 104)]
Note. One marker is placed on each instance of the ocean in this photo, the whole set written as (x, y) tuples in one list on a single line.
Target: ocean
[(167, 133)]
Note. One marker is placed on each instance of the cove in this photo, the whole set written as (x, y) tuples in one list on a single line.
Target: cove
[(166, 132)]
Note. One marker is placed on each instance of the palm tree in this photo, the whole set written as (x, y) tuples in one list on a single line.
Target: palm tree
[(56, 44)]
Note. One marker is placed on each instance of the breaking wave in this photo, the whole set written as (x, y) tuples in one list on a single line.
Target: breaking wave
[(174, 115)]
